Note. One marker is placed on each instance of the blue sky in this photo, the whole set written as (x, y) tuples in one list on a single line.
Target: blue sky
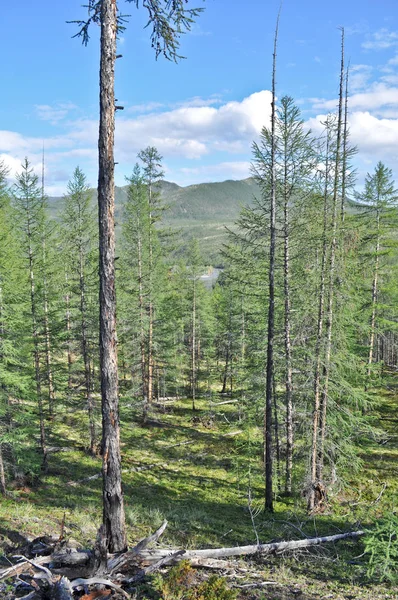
[(204, 112)]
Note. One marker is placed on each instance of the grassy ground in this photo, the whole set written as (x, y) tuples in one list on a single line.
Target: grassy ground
[(188, 468)]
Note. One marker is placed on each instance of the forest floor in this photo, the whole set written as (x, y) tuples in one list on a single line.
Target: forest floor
[(199, 471)]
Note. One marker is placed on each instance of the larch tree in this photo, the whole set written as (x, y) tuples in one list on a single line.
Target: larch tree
[(80, 241), (152, 175), (271, 284), (28, 204), (169, 18), (378, 204)]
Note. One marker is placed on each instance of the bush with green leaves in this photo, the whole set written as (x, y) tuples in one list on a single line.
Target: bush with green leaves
[(181, 584), (381, 544)]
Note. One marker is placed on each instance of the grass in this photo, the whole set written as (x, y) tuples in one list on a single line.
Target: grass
[(195, 476)]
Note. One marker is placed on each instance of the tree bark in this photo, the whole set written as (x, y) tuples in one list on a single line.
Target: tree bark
[(271, 306), (288, 346), (113, 507)]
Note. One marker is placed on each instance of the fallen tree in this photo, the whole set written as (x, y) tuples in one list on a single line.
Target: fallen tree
[(67, 569)]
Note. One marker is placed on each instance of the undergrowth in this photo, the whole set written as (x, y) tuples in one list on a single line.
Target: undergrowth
[(197, 475)]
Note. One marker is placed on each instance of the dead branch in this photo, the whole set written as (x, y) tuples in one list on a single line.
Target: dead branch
[(19, 568), (225, 402), (98, 581), (257, 584), (119, 562)]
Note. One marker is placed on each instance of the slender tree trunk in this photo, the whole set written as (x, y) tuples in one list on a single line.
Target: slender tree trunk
[(86, 354), (277, 442), (374, 294), (318, 347), (150, 307), (271, 306), (68, 331), (49, 372), (331, 283), (36, 353), (345, 152), (226, 368), (288, 349), (113, 506), (3, 489), (144, 387), (193, 348)]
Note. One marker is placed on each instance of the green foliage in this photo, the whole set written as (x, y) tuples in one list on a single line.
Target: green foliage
[(381, 544), (180, 584)]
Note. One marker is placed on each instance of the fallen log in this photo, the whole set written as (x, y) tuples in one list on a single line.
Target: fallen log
[(149, 556), (142, 561)]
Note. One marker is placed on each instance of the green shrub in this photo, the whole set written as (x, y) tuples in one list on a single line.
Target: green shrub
[(381, 543), (181, 584)]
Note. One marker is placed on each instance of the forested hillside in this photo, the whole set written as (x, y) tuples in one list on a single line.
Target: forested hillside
[(202, 211), (254, 417)]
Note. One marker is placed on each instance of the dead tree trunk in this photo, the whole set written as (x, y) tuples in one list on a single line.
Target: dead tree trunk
[(113, 507), (287, 336), (271, 305), (321, 316), (331, 283)]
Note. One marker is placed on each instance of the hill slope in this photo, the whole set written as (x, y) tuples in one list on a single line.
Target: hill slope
[(202, 210)]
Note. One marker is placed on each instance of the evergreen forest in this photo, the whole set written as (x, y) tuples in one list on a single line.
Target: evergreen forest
[(257, 377)]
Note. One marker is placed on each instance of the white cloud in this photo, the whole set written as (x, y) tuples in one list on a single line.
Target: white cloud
[(196, 128), (359, 76), (374, 136), (192, 131), (54, 114), (378, 96), (381, 40)]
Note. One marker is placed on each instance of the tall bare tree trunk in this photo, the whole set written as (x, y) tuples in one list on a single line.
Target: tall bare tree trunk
[(319, 338), (271, 306), (345, 151), (332, 268), (113, 506), (288, 348)]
